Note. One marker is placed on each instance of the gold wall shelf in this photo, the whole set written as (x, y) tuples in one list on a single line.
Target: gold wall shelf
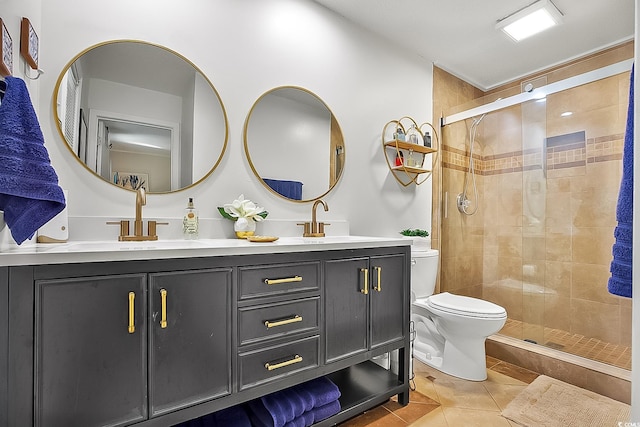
[(408, 173)]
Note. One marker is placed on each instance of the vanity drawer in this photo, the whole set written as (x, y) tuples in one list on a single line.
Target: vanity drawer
[(278, 279), (260, 322), (264, 365)]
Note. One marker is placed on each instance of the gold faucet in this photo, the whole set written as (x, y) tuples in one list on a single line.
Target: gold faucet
[(138, 223), (141, 200), (315, 229)]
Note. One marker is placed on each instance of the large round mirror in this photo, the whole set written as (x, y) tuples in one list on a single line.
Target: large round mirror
[(140, 115), (294, 144)]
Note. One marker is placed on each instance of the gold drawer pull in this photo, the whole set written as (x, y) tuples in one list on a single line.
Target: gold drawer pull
[(366, 281), (132, 321), (273, 324), (163, 320), (296, 359), (379, 286), (285, 280)]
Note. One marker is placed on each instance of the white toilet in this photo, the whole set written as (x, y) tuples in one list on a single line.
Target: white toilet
[(450, 330)]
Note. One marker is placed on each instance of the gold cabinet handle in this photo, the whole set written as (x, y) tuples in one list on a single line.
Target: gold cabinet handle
[(271, 367), (379, 285), (163, 297), (132, 321), (366, 281), (274, 323), (285, 280)]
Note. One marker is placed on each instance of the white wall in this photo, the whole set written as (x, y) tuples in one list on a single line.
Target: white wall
[(11, 12), (246, 47)]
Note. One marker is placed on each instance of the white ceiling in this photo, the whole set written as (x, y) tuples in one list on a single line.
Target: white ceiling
[(459, 36)]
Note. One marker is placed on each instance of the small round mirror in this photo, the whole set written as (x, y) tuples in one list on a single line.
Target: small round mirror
[(140, 115), (294, 144)]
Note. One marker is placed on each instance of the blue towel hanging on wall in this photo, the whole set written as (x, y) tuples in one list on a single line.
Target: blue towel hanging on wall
[(622, 263), (29, 191)]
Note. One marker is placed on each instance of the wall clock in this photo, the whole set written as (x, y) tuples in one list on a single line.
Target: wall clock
[(6, 51), (29, 43)]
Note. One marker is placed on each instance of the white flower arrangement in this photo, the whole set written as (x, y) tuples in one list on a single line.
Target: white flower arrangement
[(242, 210)]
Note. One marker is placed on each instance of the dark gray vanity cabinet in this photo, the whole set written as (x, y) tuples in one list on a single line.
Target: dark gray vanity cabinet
[(278, 321), (345, 307), (117, 349), (153, 343), (386, 298), (189, 338), (91, 351), (363, 302)]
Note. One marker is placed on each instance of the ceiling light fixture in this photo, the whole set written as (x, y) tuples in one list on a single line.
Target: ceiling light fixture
[(530, 20)]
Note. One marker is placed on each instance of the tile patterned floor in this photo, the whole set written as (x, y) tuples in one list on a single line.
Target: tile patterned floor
[(591, 348), (441, 400)]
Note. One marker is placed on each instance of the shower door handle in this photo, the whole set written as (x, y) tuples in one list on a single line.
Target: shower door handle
[(446, 204)]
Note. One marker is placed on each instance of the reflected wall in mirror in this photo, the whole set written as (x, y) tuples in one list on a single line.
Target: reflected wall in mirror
[(140, 115), (294, 144)]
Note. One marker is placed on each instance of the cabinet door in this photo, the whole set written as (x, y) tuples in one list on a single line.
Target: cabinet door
[(190, 338), (387, 299), (90, 351), (345, 308)]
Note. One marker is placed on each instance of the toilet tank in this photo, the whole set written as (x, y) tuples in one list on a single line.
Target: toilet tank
[(424, 270)]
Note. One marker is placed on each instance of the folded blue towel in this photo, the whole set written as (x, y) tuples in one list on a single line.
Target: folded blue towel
[(323, 412), (289, 189), (29, 191), (320, 390), (235, 416), (308, 418), (279, 408), (271, 411), (622, 263), (296, 422)]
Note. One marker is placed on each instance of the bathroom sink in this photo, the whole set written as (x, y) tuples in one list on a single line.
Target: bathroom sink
[(99, 246)]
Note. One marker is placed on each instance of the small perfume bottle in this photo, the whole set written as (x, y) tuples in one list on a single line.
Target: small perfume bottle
[(427, 140), (190, 222), (400, 135), (412, 135), (411, 161), (399, 158)]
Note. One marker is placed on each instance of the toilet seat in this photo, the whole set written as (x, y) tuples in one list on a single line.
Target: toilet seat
[(463, 306)]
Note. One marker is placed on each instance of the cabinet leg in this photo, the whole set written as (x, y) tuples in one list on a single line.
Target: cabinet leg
[(403, 398), (403, 373)]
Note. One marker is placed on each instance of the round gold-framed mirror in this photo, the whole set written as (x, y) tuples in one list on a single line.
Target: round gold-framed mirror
[(294, 144), (138, 114)]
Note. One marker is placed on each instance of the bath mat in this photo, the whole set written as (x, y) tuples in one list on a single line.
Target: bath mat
[(548, 402)]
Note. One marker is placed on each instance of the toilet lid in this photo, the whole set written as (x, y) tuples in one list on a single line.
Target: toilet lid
[(462, 305)]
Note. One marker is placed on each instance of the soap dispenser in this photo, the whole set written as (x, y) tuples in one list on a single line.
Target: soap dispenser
[(190, 221)]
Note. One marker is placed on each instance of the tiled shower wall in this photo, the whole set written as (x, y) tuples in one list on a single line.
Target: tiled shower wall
[(540, 243)]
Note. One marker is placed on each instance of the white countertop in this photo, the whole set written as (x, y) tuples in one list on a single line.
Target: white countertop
[(100, 251)]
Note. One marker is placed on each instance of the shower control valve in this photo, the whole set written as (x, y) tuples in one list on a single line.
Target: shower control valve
[(463, 203)]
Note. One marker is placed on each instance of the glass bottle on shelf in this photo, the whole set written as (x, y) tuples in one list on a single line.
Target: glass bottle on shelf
[(399, 158), (411, 162), (427, 140), (412, 134)]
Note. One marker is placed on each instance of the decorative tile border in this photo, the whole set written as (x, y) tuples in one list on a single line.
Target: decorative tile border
[(563, 151)]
